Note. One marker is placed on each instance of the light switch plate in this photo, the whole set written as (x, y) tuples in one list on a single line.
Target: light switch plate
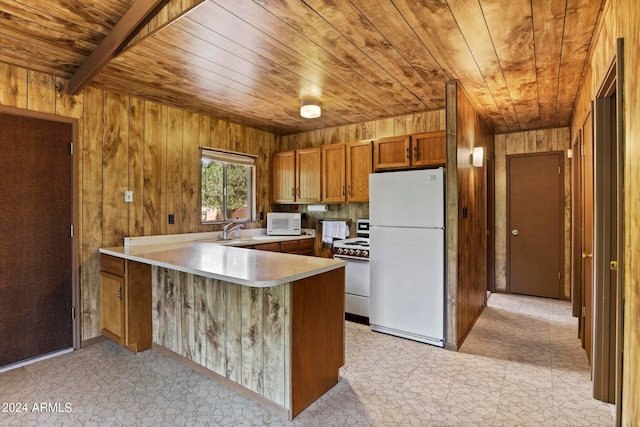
[(128, 196)]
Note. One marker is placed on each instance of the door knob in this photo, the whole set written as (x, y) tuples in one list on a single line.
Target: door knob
[(587, 255), (515, 232)]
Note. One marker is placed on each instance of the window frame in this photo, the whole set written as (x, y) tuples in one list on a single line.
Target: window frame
[(229, 157)]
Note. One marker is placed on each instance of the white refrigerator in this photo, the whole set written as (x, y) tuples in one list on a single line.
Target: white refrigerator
[(407, 253)]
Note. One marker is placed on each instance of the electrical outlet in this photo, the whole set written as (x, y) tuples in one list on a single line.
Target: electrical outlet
[(172, 219), (128, 196), (261, 216)]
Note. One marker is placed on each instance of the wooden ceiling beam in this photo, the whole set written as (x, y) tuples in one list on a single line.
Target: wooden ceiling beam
[(137, 15)]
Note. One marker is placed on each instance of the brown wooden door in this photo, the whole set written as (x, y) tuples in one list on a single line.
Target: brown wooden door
[(35, 244), (283, 181), (359, 166), (333, 173), (535, 201), (587, 235)]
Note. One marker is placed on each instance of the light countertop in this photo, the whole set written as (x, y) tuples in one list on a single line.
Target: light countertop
[(208, 257)]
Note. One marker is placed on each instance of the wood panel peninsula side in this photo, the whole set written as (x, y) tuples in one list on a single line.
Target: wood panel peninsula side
[(268, 325)]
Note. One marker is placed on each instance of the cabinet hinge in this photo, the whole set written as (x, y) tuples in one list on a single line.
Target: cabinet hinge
[(73, 312), (559, 170), (582, 149), (559, 275), (613, 265), (71, 148), (584, 311), (71, 230)]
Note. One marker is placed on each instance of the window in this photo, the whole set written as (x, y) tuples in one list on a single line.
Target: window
[(227, 187)]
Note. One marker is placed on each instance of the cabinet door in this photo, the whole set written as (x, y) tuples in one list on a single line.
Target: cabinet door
[(359, 166), (271, 247), (283, 177), (333, 173), (308, 183), (429, 149), (391, 153), (112, 322)]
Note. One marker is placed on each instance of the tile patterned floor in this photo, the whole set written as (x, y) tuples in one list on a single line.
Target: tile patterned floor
[(522, 365)]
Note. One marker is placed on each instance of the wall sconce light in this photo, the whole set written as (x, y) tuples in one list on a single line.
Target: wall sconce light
[(477, 157), (309, 109), (569, 153)]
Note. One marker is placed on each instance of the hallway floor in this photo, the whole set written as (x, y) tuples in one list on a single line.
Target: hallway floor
[(521, 365)]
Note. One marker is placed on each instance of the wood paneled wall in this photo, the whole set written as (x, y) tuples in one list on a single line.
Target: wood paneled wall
[(535, 141), (426, 121), (238, 332), (466, 232), (620, 20), (129, 144)]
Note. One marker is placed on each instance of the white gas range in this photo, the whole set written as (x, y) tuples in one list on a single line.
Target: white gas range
[(355, 252)]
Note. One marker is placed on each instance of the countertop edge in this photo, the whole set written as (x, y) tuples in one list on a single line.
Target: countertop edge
[(113, 251)]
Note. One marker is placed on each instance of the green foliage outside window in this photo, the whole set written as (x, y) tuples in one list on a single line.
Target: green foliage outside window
[(226, 189)]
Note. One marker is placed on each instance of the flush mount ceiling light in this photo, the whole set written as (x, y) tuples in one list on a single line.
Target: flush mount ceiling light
[(309, 109)]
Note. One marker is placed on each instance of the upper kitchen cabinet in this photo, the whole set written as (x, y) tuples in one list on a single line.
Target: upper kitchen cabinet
[(359, 166), (429, 149), (392, 152), (333, 173), (296, 176), (283, 172), (410, 151)]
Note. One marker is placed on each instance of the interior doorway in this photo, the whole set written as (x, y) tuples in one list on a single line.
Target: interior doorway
[(609, 234), (535, 209), (38, 253)]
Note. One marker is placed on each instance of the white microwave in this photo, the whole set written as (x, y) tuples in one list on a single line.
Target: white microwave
[(283, 224)]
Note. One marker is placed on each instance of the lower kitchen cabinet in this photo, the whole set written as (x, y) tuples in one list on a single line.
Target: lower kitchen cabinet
[(125, 302)]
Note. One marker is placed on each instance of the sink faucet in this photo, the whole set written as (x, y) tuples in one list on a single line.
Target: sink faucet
[(226, 231)]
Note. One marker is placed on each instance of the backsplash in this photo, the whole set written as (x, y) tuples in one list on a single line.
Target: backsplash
[(344, 211)]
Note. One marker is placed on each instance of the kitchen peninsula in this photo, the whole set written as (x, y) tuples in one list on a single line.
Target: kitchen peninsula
[(268, 325)]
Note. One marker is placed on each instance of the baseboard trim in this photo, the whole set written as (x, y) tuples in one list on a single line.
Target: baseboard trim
[(93, 341), (35, 359)]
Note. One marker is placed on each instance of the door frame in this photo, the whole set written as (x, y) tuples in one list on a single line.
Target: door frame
[(576, 226), (75, 210), (608, 297)]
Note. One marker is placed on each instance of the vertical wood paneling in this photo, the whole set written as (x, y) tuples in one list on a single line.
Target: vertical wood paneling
[(416, 123), (41, 93), (136, 166), (274, 344), (190, 174), (501, 213), (234, 333), (13, 86), (400, 125), (514, 143), (200, 320), (384, 127), (530, 143), (216, 354), (67, 105), (174, 170), (157, 304), (92, 218), (545, 140), (187, 315), (432, 121), (155, 169), (252, 321), (171, 313), (115, 168)]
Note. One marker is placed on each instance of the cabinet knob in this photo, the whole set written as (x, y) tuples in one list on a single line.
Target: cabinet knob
[(415, 152), (119, 294), (408, 156)]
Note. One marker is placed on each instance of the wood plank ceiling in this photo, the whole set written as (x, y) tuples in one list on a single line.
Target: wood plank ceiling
[(252, 62)]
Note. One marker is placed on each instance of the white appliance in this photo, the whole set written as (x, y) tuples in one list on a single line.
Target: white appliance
[(283, 224), (407, 215), (355, 252)]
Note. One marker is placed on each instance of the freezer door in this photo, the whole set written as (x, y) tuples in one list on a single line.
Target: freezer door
[(407, 199), (407, 282)]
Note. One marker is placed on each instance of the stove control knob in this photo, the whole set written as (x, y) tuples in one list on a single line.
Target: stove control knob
[(339, 250), (351, 251), (365, 253), (358, 252)]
